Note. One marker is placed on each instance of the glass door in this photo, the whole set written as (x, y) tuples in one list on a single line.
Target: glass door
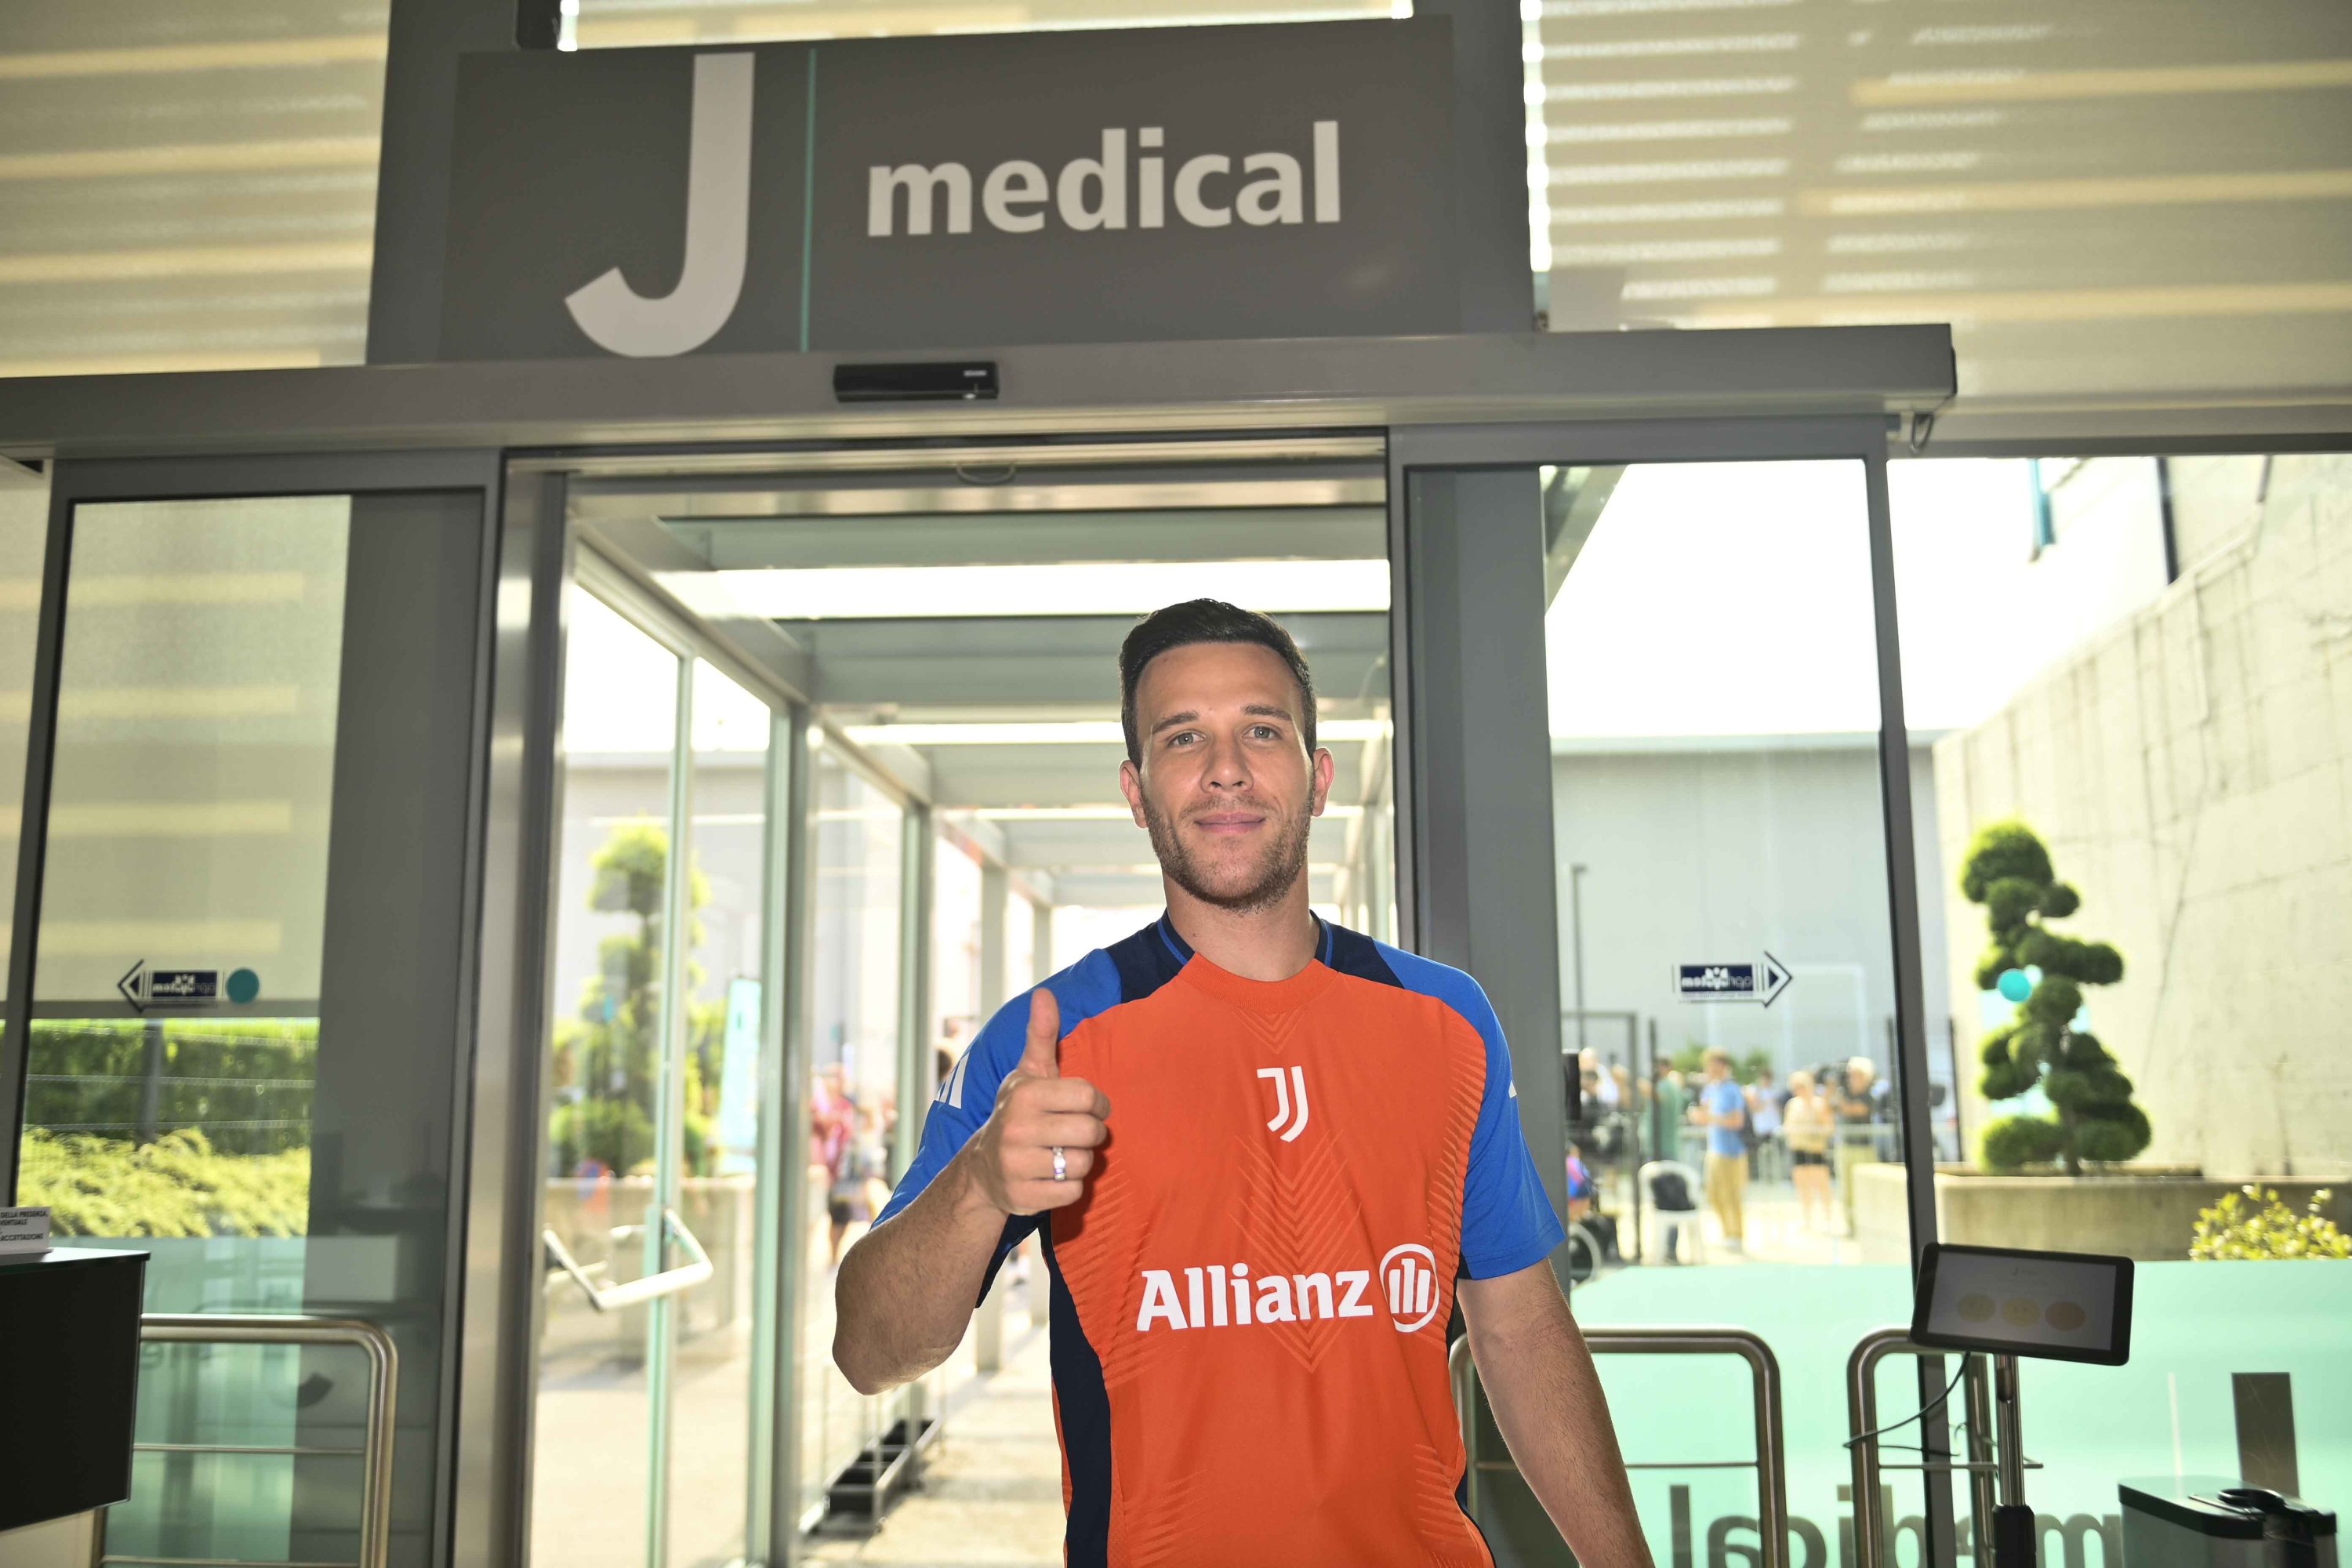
[(236, 1001), (654, 1325), (1737, 1024)]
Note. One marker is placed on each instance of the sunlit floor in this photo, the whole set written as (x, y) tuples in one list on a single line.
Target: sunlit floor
[(1778, 1231), (991, 1491)]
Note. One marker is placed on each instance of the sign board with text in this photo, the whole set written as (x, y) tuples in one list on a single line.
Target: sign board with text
[(1760, 980), (1287, 180)]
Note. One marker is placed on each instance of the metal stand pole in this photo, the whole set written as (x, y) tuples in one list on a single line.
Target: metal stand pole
[(1978, 1388), (2012, 1520)]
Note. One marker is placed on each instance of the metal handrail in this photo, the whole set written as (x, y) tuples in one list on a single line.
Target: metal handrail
[(1764, 1372), (374, 1452), (1862, 1418), (614, 1298)]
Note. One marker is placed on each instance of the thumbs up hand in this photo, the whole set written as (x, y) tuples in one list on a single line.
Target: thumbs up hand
[(1040, 1117)]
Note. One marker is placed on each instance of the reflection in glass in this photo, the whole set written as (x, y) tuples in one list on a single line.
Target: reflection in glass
[(188, 824), (714, 1325), (1712, 684), (242, 1057), (856, 841), (594, 1427), (619, 24)]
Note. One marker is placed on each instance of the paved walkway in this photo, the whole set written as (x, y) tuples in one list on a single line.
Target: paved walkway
[(992, 1494)]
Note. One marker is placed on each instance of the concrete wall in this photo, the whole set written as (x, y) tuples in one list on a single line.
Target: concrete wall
[(1715, 847), (2191, 770)]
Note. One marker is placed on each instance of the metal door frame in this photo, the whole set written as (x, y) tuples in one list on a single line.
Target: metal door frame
[(233, 478), (521, 425), (1514, 932)]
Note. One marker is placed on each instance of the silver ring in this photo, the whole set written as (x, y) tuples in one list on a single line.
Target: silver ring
[(1061, 1164)]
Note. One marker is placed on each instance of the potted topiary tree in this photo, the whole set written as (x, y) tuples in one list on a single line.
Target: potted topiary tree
[(2007, 871)]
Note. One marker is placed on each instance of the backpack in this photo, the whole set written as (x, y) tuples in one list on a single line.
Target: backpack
[(1671, 1194)]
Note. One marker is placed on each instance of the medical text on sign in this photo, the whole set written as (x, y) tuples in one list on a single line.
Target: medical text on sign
[(1093, 194)]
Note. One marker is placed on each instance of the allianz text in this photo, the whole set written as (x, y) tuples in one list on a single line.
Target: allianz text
[(1218, 1296)]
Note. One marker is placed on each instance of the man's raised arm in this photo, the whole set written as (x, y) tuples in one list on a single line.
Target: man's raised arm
[(907, 1289), (1546, 1398)]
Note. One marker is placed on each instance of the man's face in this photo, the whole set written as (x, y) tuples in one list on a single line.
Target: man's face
[(1226, 788), (1718, 1071)]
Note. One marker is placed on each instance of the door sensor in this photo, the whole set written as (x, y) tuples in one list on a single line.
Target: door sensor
[(957, 381)]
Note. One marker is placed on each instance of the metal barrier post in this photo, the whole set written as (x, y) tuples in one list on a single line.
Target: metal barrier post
[(1764, 1375), (294, 1329), (1862, 1418)]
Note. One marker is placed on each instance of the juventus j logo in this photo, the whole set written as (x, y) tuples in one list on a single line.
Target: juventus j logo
[(718, 225), (1282, 1102)]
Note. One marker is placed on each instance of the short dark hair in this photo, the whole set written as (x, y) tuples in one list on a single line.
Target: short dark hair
[(1199, 621)]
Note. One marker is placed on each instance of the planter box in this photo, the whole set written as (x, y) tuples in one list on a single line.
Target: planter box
[(2145, 1215)]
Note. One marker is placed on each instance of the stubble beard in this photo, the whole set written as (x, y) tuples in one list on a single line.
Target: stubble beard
[(1278, 870)]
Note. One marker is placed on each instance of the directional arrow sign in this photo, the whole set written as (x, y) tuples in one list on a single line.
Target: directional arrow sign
[(133, 987), (1760, 981)]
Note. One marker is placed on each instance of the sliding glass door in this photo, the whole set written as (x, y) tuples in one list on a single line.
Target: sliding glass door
[(660, 1106), (238, 985)]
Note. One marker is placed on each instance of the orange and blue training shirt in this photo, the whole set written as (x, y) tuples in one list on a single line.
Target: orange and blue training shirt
[(1249, 1305)]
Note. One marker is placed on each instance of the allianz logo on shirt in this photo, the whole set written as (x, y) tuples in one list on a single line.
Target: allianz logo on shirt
[(1216, 1295)]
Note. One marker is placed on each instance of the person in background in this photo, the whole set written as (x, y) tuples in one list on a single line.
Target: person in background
[(1723, 1110), (1806, 1122), (1622, 1083), (1580, 1187), (1667, 1106), (1584, 1205), (832, 1118), (1857, 1133), (1764, 1102)]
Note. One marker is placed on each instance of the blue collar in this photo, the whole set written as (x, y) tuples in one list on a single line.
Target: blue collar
[(1182, 950)]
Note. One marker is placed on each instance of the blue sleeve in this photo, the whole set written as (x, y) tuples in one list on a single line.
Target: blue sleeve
[(965, 1098), (1507, 1221)]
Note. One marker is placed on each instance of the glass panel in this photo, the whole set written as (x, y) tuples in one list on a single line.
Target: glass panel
[(24, 536), (593, 1430), (242, 1053), (2101, 203), (188, 828), (2131, 674), (190, 187), (857, 843), (1726, 961), (715, 1327), (956, 991)]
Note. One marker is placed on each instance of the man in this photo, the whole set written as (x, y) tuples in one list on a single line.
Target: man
[(1766, 1160), (1723, 1108), (1859, 1111), (1265, 1157), (1668, 1106)]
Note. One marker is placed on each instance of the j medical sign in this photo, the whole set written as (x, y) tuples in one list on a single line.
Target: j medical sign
[(1280, 181)]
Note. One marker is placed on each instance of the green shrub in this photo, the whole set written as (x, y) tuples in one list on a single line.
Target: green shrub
[(177, 1185), (615, 1134), (2008, 870), (2235, 1229), (2012, 1142), (245, 1083)]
